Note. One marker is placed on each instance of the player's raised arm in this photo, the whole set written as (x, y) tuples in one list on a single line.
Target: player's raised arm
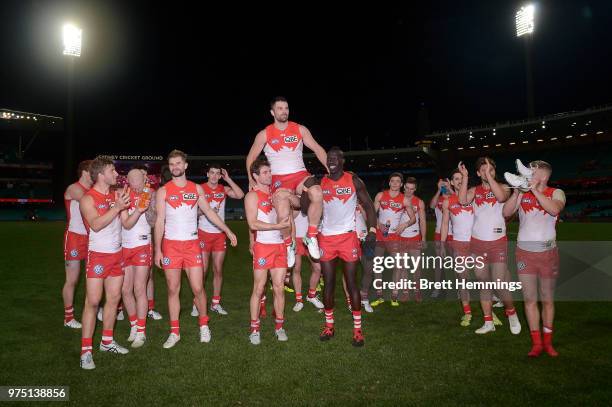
[(465, 196), (312, 144), (256, 149), (512, 204), (233, 190), (500, 190), (213, 217), (553, 206), (434, 201)]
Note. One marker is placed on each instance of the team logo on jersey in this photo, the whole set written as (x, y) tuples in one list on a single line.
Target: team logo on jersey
[(344, 191), (291, 139), (261, 261), (274, 141), (98, 269), (165, 261), (102, 206), (173, 198), (74, 252), (189, 196), (521, 265)]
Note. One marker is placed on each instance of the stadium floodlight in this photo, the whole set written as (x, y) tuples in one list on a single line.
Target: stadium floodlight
[(525, 20), (72, 40)]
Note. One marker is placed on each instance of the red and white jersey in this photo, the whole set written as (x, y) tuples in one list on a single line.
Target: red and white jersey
[(438, 212), (414, 229), (489, 222), (108, 239), (284, 148), (73, 213), (537, 228), (140, 233), (339, 204), (266, 213), (216, 199), (390, 210), (181, 211), (461, 218), (361, 227)]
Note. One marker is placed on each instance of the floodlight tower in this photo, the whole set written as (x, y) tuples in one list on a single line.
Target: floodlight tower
[(72, 38), (525, 25)]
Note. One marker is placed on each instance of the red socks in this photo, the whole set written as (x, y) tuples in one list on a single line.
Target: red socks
[(298, 297), (255, 325), (174, 327), (86, 345), (278, 323), (141, 325), (510, 311), (107, 336), (203, 320), (133, 319), (216, 299), (548, 335), (329, 318), (357, 320), (467, 309), (151, 305), (313, 231), (488, 318), (312, 293), (68, 313)]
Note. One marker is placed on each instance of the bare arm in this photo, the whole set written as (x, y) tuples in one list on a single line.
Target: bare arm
[(366, 202), (553, 206), (256, 148), (250, 207), (233, 191), (151, 213), (312, 144), (445, 219), (128, 221), (465, 196), (422, 220), (74, 192), (90, 214), (512, 204), (160, 221)]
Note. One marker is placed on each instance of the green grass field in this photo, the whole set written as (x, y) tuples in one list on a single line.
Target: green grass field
[(414, 354)]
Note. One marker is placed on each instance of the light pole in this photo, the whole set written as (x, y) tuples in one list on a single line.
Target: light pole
[(525, 25), (72, 38)]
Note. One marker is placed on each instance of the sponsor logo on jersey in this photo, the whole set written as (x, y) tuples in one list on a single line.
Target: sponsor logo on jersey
[(143, 255), (291, 139), (218, 195), (261, 261), (344, 191), (102, 206), (202, 244), (395, 205), (98, 269), (189, 196)]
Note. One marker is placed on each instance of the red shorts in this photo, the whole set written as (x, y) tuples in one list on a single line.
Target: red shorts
[(438, 237), (75, 246), (181, 254), (137, 256), (288, 181), (460, 249), (493, 251), (411, 243), (103, 265), (543, 264), (269, 256), (391, 242), (212, 242), (302, 250), (345, 245)]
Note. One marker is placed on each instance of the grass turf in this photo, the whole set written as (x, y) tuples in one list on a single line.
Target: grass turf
[(414, 354)]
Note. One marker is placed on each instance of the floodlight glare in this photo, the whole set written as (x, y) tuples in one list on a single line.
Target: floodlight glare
[(525, 20), (72, 40)]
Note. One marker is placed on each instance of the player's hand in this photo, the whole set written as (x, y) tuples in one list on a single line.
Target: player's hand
[(400, 228), (232, 238), (145, 207), (284, 224), (224, 174), (462, 169), (122, 198), (158, 258), (487, 169), (440, 183)]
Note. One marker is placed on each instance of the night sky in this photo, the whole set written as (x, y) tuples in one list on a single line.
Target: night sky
[(158, 76)]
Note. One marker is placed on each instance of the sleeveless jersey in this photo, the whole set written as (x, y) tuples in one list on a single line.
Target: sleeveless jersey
[(391, 209), (73, 214), (438, 213), (414, 229), (216, 199), (537, 228), (284, 148), (266, 213), (339, 204), (462, 219), (181, 211), (140, 233), (489, 222), (108, 239)]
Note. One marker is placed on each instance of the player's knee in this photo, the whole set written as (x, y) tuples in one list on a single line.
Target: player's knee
[(173, 290)]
